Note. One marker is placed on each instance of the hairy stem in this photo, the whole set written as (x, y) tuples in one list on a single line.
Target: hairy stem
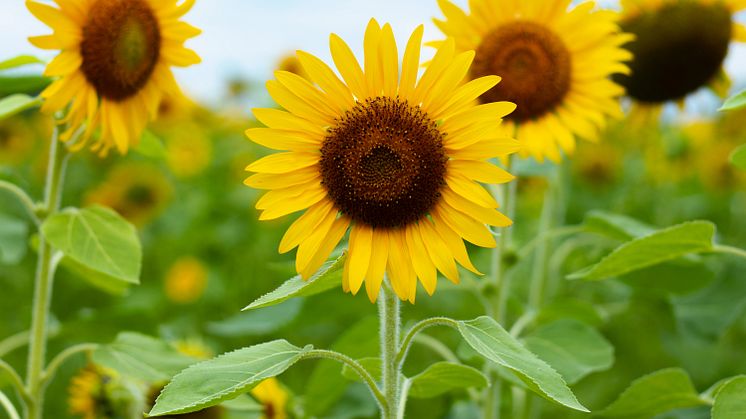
[(44, 282), (388, 312)]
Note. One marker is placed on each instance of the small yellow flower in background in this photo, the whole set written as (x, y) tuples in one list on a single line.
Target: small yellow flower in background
[(186, 280), (555, 64), (114, 64), (194, 347), (188, 149), (137, 191), (393, 159), (711, 144), (598, 164), (272, 397), (680, 46)]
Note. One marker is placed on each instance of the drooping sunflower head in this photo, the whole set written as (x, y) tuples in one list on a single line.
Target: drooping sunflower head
[(137, 191), (273, 397), (555, 64), (113, 66), (395, 159), (679, 47), (98, 393)]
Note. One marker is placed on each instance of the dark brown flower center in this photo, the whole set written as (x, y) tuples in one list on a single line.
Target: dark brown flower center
[(120, 47), (534, 64), (678, 49), (383, 163)]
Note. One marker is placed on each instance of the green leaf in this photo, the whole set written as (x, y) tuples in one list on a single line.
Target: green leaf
[(616, 226), (654, 394), (661, 246), (443, 377), (17, 103), (328, 277), (225, 377), (30, 85), (151, 146), (488, 338), (142, 357), (738, 157), (730, 400), (326, 385), (13, 239), (573, 348), (259, 322), (371, 364), (19, 61), (734, 102), (96, 240)]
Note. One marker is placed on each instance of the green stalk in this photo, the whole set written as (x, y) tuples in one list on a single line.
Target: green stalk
[(388, 312), (44, 282)]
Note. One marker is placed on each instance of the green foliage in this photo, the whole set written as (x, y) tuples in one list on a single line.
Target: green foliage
[(443, 377), (98, 244), (735, 102), (738, 157), (653, 394), (142, 357), (616, 226), (328, 277), (730, 399), (19, 61), (151, 146), (488, 338), (13, 239), (573, 348), (658, 247), (259, 322), (325, 384), (17, 103), (371, 364), (225, 377)]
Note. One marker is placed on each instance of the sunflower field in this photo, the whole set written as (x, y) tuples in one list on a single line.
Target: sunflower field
[(516, 209)]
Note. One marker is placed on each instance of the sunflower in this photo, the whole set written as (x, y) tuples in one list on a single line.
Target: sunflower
[(114, 64), (272, 397), (393, 159), (99, 393), (137, 191), (186, 280), (555, 64), (679, 47)]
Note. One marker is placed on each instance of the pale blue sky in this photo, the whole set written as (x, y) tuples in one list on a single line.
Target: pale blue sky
[(248, 37)]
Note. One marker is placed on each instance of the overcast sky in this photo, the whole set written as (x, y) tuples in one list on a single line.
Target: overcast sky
[(247, 37)]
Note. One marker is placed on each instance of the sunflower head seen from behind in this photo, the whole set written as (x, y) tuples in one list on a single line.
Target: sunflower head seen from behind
[(555, 64), (394, 159), (679, 47), (113, 66)]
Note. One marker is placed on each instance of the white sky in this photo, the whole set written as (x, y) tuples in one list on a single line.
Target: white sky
[(247, 37)]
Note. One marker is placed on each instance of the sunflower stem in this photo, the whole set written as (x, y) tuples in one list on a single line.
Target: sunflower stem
[(539, 271), (390, 321), (44, 282)]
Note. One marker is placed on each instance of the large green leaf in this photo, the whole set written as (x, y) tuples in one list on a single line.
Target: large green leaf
[(98, 240), (734, 102), (488, 338), (738, 157), (13, 239), (573, 348), (730, 400), (19, 61), (661, 246), (328, 277), (225, 377), (326, 385), (654, 394), (142, 357), (443, 377), (16, 103)]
